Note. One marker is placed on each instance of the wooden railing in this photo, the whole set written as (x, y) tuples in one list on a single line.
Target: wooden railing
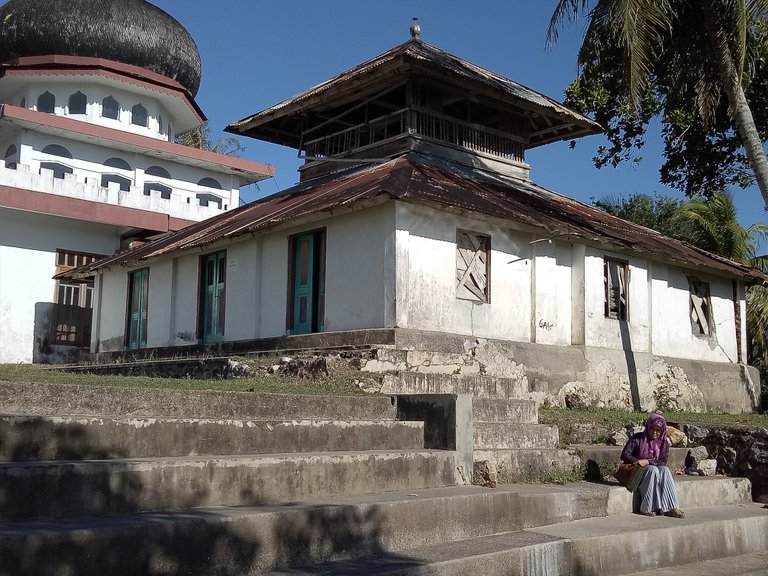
[(421, 122)]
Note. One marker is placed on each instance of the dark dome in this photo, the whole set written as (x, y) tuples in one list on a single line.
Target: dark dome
[(128, 31)]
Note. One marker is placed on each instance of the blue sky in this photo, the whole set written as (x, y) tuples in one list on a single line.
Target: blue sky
[(256, 54)]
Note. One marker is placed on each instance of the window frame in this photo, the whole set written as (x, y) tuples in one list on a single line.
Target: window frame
[(473, 283), (613, 291), (700, 291)]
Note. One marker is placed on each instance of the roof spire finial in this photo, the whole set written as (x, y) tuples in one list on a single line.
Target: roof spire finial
[(415, 29)]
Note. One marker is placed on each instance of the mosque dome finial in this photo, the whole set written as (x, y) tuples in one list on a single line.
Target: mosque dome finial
[(415, 29)]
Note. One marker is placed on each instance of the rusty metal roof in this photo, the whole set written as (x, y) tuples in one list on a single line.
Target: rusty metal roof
[(438, 183), (563, 122)]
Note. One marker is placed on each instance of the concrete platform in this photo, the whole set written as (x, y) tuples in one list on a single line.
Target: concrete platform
[(475, 386), (84, 438), (36, 490), (626, 543), (108, 401), (464, 528), (745, 565)]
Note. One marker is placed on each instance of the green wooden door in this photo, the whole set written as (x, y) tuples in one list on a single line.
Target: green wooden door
[(214, 276), (308, 283), (138, 307)]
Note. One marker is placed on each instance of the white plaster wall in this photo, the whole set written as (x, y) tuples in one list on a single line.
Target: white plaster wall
[(672, 333), (22, 284), (552, 288), (28, 244), (577, 292), (427, 257), (272, 285), (160, 304), (111, 314), (603, 332), (357, 260), (185, 299), (242, 277), (355, 268)]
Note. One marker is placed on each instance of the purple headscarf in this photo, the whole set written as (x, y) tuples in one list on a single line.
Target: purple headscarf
[(650, 448)]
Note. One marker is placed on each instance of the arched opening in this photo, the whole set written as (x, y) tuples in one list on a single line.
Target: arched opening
[(139, 115), (10, 157), (158, 172), (46, 102), (56, 150), (77, 103), (110, 108), (210, 183), (123, 181)]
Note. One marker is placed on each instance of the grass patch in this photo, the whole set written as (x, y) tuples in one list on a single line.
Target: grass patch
[(598, 422), (342, 385)]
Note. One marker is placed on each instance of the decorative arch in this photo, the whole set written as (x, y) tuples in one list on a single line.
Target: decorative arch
[(10, 151), (158, 171), (139, 115), (56, 150), (110, 108), (210, 183), (77, 104), (46, 102), (118, 163)]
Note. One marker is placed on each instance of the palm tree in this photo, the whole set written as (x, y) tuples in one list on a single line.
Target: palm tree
[(716, 229), (708, 39), (200, 137)]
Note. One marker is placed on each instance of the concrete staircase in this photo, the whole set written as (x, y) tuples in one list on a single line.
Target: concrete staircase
[(119, 482), (507, 432)]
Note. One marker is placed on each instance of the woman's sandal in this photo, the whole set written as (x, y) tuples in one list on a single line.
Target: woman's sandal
[(675, 513)]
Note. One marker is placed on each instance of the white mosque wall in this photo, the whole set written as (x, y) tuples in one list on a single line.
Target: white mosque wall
[(27, 266)]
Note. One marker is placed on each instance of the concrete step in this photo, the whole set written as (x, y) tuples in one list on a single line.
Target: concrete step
[(82, 438), (476, 386), (496, 410), (744, 565), (510, 435), (65, 489), (108, 401), (243, 540), (532, 464), (508, 554), (628, 543)]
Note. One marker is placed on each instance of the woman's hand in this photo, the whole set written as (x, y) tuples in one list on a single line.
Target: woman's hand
[(643, 462)]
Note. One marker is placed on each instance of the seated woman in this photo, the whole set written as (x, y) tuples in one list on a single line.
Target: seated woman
[(650, 450)]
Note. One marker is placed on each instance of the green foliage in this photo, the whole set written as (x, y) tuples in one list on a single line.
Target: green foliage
[(615, 419), (660, 213), (665, 403), (653, 60), (200, 138)]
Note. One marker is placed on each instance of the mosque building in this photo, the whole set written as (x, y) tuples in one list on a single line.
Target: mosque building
[(92, 97)]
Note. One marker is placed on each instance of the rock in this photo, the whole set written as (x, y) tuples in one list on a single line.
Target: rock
[(574, 401), (738, 450), (708, 467), (676, 437), (618, 438), (369, 385), (696, 434), (485, 474)]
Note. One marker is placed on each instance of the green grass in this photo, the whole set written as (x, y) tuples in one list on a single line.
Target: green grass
[(261, 382), (593, 425)]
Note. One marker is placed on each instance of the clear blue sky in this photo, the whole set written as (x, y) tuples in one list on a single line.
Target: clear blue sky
[(256, 54)]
